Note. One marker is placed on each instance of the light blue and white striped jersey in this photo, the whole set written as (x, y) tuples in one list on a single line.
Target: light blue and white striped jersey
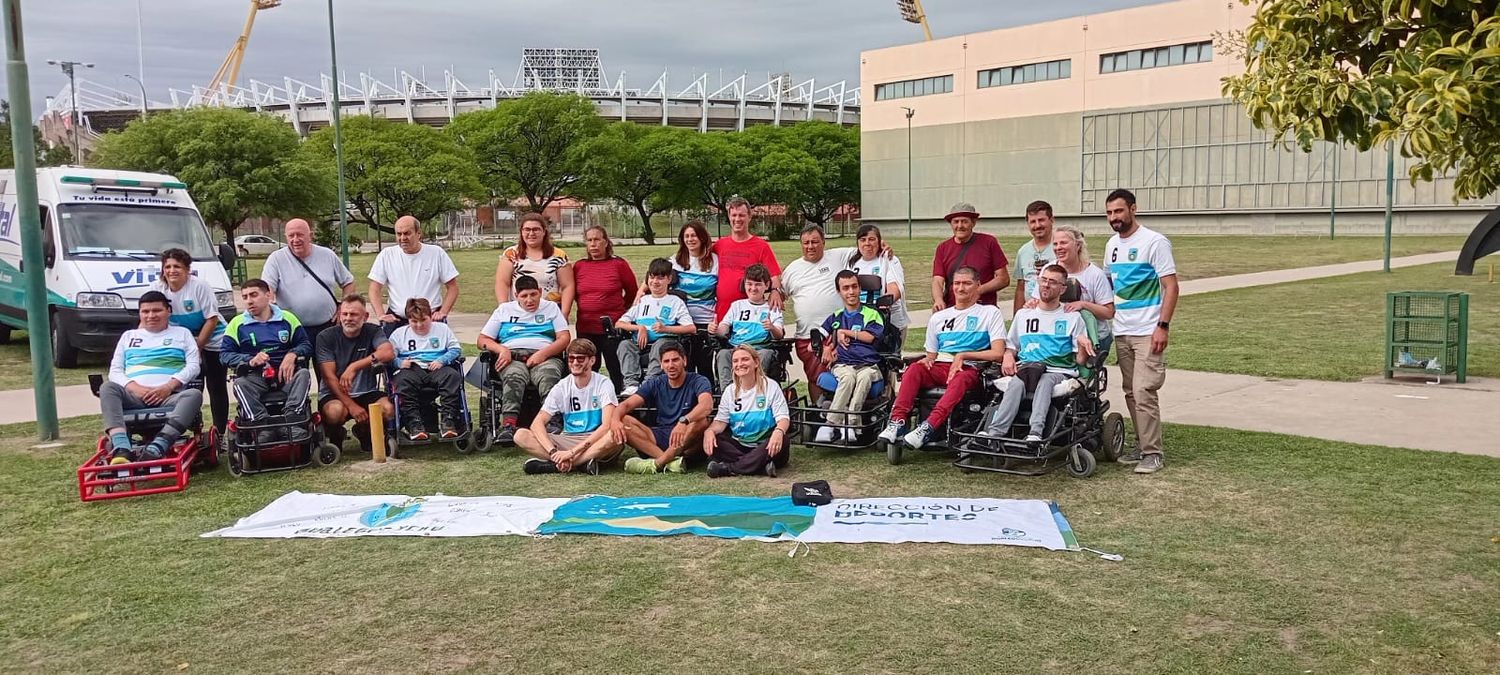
[(1136, 266), (699, 287), (193, 306), (583, 409), (513, 326), (653, 312), (439, 344), (751, 414), (745, 326), (150, 359), (955, 330), (1048, 337)]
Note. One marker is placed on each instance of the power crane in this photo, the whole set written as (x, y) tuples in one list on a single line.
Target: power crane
[(911, 12), (229, 71)]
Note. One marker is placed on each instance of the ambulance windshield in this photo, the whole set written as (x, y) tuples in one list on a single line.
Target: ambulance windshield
[(135, 232)]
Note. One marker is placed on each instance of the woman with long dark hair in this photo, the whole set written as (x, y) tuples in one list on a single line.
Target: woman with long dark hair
[(536, 257), (870, 260), (606, 286), (697, 268)]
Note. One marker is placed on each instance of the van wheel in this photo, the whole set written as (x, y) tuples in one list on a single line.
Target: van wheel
[(64, 354), (4, 334)]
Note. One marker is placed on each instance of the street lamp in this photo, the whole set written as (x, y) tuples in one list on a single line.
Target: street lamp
[(338, 142), (67, 67), (142, 85), (909, 113)]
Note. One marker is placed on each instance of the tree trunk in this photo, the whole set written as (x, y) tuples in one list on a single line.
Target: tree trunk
[(647, 232)]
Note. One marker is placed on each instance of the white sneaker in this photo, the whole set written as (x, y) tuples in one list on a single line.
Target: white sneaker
[(1033, 438), (918, 436), (892, 432), (825, 435), (851, 436), (628, 391)]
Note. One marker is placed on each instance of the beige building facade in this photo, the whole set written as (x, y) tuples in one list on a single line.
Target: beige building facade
[(1067, 110)]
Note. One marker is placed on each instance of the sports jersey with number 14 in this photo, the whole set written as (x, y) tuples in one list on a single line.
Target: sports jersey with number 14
[(955, 330)]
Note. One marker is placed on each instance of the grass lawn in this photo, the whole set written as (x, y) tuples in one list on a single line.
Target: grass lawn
[(16, 374), (1323, 329), (1298, 556)]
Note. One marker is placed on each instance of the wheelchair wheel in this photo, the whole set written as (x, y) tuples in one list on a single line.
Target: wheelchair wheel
[(893, 452), (234, 460), (464, 446), (327, 454), (1112, 436), (1081, 462)]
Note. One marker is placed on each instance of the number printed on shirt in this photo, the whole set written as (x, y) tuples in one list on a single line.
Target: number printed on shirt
[(1033, 325), (948, 325), (577, 405), (738, 405), (744, 315), (411, 345), (1114, 255)]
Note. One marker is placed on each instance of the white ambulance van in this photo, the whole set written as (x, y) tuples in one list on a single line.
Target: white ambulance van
[(102, 236)]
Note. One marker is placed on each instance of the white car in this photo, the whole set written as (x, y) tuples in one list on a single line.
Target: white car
[(256, 244)]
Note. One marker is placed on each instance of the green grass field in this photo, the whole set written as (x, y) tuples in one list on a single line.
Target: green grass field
[(1251, 553), (1322, 329)]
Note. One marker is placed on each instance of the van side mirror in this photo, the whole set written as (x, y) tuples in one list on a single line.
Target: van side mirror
[(49, 252), (227, 256)]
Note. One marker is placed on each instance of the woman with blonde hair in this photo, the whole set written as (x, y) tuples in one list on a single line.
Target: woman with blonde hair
[(748, 436), (1096, 294)]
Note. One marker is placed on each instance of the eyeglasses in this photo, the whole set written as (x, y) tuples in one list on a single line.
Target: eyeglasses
[(1051, 282), (578, 357)]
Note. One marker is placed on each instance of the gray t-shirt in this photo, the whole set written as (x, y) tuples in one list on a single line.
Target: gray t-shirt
[(341, 350), (309, 297)]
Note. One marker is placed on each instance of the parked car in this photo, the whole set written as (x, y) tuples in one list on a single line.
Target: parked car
[(256, 244)]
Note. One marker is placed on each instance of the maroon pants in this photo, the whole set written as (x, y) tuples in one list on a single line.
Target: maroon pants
[(919, 377)]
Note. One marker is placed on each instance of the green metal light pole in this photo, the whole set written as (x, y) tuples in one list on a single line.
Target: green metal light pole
[(909, 113), (23, 147), (1333, 197), (338, 142), (1390, 196)]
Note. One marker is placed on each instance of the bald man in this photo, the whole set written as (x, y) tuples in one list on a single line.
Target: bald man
[(411, 269), (307, 279)]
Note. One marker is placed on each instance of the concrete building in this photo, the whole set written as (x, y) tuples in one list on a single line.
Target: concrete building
[(1068, 110)]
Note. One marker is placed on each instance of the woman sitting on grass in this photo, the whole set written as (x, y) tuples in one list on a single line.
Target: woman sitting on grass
[(748, 436)]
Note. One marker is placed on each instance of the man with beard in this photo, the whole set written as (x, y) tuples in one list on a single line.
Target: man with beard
[(348, 359)]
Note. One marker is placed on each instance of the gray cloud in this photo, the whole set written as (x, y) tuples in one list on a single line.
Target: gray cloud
[(185, 40)]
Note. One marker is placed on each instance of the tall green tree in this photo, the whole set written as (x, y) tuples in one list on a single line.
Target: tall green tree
[(1422, 73), (709, 169), (531, 146), (237, 164), (392, 169), (635, 164), (46, 155)]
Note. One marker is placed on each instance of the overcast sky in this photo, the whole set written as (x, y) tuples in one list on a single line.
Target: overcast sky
[(185, 40)]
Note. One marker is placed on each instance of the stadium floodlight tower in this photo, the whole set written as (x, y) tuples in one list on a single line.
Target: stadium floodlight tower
[(911, 12), (556, 69)]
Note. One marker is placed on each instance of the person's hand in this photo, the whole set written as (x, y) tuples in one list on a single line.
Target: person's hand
[(1032, 303), (389, 318), (828, 357), (536, 359), (440, 315), (708, 442), (359, 413), (845, 336), (885, 249), (410, 363), (288, 368), (156, 395), (617, 431), (937, 305), (433, 366), (1075, 306), (956, 367), (137, 390), (259, 360), (778, 298), (1008, 365), (563, 460), (502, 358), (1159, 340), (679, 435), (773, 446), (766, 323), (713, 327), (642, 337), (1086, 348), (928, 360), (347, 379)]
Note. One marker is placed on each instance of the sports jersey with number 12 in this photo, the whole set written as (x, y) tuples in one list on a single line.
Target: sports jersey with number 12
[(582, 409), (955, 330)]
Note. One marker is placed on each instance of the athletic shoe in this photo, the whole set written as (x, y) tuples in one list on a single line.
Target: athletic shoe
[(629, 391), (335, 434), (1033, 438), (825, 435), (771, 469), (918, 436), (719, 470), (893, 431), (1151, 463), (416, 433), (851, 436), (152, 452), (121, 456), (506, 435), (674, 466), (639, 465), (536, 465), (449, 431), (1131, 456), (298, 434), (591, 467)]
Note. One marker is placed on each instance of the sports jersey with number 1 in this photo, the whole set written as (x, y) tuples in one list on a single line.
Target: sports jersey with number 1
[(955, 330), (582, 409)]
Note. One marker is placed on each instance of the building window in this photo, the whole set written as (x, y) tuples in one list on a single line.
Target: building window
[(942, 84), (1157, 57), (1031, 72)]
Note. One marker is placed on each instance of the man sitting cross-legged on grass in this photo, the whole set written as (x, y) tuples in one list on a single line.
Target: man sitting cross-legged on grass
[(1051, 342), (965, 332), (151, 366), (653, 316), (850, 352), (684, 405), (527, 336), (424, 350), (750, 321), (585, 399)]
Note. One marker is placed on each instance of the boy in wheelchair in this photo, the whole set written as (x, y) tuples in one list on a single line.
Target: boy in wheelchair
[(850, 353), (1050, 343), (527, 337), (151, 368), (268, 347), (424, 351), (657, 314), (750, 321)]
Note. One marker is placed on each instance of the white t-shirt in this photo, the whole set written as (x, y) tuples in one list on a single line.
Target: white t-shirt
[(439, 344), (889, 270), (193, 306), (744, 319), (150, 359), (1095, 287), (652, 312), (412, 275), (751, 415), (1136, 266), (811, 289), (583, 410), (699, 286), (955, 330), (511, 325)]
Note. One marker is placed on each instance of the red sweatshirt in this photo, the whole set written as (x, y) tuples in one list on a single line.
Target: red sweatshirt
[(604, 288)]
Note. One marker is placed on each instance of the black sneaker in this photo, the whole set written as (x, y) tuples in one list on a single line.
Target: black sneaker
[(121, 456), (366, 446), (591, 467), (151, 452), (537, 465), (416, 432), (719, 470), (449, 431), (771, 469), (506, 435)]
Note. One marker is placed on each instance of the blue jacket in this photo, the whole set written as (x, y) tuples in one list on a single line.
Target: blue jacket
[(245, 337)]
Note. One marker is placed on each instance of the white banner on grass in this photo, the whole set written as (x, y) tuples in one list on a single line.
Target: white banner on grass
[(894, 520), (323, 516)]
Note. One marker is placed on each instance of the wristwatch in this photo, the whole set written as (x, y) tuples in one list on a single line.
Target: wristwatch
[(1164, 325), (684, 420)]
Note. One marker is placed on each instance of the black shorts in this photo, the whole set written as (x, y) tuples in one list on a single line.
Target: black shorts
[(366, 399)]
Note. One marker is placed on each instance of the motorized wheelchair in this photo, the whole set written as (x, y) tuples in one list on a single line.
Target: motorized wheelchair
[(278, 441), (1079, 424), (808, 416), (487, 419), (464, 442), (704, 340), (193, 450)]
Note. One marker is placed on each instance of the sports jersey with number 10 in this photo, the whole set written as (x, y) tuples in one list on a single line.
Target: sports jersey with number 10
[(1047, 337), (582, 409)]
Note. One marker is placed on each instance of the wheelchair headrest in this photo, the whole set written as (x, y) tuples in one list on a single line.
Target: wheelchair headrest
[(869, 283), (1074, 292)]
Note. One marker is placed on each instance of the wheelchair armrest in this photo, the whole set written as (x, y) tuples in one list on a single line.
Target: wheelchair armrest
[(884, 303), (96, 381)]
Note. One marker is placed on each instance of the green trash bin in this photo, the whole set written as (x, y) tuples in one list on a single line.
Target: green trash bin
[(1427, 332), (240, 272)]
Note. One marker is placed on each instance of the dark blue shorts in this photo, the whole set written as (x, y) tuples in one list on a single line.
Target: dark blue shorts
[(663, 435)]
